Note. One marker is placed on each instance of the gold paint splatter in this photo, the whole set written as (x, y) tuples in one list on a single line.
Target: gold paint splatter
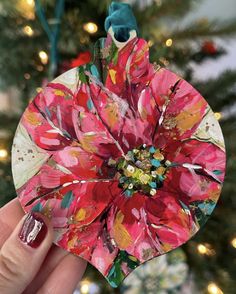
[(112, 73), (72, 242), (186, 120), (32, 118), (121, 235), (59, 93), (80, 215)]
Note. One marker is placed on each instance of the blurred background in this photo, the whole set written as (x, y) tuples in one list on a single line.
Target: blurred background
[(197, 39)]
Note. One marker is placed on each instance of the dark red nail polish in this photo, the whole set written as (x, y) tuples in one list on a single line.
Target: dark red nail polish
[(33, 231)]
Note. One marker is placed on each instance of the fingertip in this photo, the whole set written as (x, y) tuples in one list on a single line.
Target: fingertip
[(36, 230)]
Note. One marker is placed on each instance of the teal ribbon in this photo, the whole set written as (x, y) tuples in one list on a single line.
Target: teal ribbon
[(122, 21), (52, 32)]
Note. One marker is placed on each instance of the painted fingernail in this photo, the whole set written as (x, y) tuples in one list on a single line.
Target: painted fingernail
[(33, 231)]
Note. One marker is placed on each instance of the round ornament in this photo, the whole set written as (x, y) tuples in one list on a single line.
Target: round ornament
[(125, 157)]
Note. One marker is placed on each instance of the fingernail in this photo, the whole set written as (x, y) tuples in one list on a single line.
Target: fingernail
[(33, 231)]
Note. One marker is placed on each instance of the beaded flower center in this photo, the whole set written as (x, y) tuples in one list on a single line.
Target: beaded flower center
[(142, 169)]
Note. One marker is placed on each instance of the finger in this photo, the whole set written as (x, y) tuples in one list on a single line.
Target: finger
[(65, 277), (23, 252), (53, 258), (10, 215)]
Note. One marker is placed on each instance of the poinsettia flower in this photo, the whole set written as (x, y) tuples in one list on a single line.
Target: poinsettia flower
[(125, 177)]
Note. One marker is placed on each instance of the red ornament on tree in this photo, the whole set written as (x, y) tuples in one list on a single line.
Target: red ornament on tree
[(81, 59), (209, 47)]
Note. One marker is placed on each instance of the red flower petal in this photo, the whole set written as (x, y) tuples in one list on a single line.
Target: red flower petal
[(120, 121), (56, 103), (154, 225), (81, 241), (182, 108), (196, 184), (42, 132), (93, 135), (82, 164), (46, 182)]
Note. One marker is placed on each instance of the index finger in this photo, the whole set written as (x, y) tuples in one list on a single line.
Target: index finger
[(10, 215)]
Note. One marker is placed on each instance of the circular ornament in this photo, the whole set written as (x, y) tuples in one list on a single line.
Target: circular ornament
[(125, 157)]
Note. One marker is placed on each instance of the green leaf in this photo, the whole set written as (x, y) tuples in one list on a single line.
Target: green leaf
[(67, 199), (37, 208), (217, 172), (116, 274)]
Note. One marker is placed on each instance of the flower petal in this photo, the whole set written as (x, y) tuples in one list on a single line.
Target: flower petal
[(45, 135), (56, 103), (147, 227), (93, 136), (128, 227), (49, 179), (82, 164), (193, 152), (127, 129), (183, 108), (173, 225)]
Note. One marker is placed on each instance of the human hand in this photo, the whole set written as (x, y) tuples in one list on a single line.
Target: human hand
[(29, 262)]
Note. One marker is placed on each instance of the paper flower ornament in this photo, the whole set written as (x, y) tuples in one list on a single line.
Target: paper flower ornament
[(126, 158)]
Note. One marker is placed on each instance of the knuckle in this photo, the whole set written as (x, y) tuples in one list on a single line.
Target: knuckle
[(10, 266)]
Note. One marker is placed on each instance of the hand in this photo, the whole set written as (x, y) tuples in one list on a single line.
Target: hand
[(29, 263)]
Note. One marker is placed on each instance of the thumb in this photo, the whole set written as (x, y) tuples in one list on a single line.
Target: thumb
[(23, 253)]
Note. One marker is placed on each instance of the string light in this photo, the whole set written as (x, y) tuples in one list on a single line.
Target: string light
[(43, 57), (27, 76), (26, 8), (205, 249), (164, 61), (39, 68), (169, 42), (233, 242), (150, 43), (30, 2), (202, 249), (214, 289), (90, 27), (218, 115), (28, 31), (85, 287), (3, 154)]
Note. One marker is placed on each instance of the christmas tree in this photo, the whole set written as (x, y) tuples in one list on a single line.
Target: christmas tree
[(41, 39)]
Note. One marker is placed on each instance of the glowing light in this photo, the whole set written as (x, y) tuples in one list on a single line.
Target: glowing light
[(3, 154), (164, 61), (206, 249), (202, 249), (30, 2), (150, 43), (27, 76), (90, 27), (39, 68), (169, 42), (26, 8), (233, 242), (43, 57), (28, 31), (218, 115), (85, 287), (214, 289)]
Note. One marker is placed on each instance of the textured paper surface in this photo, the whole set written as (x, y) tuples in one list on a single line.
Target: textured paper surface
[(125, 157)]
